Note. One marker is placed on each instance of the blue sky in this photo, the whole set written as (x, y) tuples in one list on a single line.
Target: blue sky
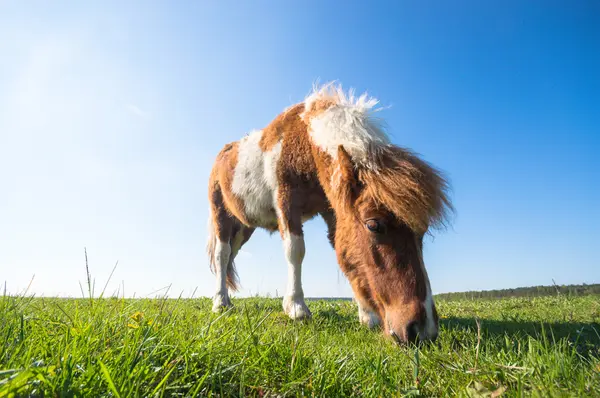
[(111, 114)]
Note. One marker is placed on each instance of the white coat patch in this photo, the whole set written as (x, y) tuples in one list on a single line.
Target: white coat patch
[(255, 179)]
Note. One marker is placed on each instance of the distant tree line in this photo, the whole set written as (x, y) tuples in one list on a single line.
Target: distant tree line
[(532, 291)]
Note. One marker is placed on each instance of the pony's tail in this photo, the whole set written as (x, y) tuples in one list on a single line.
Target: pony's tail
[(232, 276), (211, 241)]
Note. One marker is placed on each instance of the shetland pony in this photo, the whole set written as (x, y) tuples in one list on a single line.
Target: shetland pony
[(330, 156)]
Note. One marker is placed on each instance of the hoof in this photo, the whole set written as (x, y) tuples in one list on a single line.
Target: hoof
[(296, 308), (221, 302)]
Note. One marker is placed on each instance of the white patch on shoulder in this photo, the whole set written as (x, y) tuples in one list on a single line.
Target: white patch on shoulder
[(349, 122), (255, 179)]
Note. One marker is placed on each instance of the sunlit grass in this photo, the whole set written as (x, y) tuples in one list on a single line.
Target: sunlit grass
[(177, 347)]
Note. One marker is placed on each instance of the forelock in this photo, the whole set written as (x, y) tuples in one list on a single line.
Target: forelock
[(412, 190)]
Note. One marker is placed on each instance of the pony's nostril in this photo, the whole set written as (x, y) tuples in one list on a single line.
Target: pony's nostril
[(396, 338), (412, 332)]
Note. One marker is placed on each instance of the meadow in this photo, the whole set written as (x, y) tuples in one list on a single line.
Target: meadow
[(542, 346)]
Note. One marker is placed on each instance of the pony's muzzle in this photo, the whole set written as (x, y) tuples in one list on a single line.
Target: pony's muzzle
[(411, 333)]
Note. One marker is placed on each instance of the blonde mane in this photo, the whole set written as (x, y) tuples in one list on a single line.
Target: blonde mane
[(339, 118), (334, 92), (393, 177)]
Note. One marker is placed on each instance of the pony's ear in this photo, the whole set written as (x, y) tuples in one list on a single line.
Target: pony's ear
[(345, 184)]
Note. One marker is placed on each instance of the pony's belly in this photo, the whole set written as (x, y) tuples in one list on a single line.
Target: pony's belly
[(262, 217)]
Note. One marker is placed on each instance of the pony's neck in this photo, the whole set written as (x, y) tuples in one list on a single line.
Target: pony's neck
[(326, 168)]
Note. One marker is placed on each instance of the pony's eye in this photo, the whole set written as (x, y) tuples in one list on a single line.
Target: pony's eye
[(374, 226)]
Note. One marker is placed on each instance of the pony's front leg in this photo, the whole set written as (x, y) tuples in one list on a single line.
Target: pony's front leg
[(293, 303), (367, 314)]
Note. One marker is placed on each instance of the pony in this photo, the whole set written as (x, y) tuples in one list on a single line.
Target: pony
[(330, 156)]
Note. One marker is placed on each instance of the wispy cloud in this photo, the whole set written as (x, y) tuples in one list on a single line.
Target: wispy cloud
[(137, 111)]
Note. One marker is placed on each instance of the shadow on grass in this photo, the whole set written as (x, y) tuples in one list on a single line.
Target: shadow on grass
[(585, 335), (589, 332)]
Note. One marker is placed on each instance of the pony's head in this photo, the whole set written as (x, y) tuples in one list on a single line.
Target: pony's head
[(385, 200), (382, 215)]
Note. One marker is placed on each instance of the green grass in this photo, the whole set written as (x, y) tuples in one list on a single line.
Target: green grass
[(546, 346)]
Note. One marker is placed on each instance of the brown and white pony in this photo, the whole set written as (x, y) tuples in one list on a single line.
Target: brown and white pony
[(328, 156)]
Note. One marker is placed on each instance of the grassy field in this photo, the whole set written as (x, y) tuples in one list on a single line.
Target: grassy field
[(546, 346)]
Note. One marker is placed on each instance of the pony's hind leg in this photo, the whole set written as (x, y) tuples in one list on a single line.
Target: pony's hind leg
[(227, 245), (222, 233), (222, 255)]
